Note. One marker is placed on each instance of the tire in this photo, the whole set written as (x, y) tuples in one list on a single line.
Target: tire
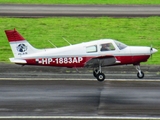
[(140, 76), (100, 77)]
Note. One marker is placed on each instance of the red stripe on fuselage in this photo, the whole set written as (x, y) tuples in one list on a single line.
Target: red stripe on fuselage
[(132, 59), (60, 62), (80, 61)]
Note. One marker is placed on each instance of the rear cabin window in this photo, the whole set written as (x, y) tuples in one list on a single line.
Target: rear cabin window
[(91, 49)]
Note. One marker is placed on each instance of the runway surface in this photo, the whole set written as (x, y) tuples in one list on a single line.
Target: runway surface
[(79, 98), (60, 93), (23, 10), (62, 73)]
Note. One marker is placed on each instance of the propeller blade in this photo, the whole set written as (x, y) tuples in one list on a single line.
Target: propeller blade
[(151, 49)]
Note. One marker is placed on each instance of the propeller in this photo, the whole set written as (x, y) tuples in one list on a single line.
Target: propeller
[(151, 49)]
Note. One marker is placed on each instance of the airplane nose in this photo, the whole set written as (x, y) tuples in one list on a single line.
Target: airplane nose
[(153, 50)]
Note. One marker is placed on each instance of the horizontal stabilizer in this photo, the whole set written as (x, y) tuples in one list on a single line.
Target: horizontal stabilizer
[(18, 61)]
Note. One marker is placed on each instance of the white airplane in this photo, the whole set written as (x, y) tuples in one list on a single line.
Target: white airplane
[(95, 54)]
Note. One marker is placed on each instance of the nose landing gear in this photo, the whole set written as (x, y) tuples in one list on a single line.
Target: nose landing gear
[(140, 74)]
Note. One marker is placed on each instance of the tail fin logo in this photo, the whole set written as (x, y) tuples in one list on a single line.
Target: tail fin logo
[(22, 48)]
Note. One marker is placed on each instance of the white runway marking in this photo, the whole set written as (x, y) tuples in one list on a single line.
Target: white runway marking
[(82, 79), (80, 117)]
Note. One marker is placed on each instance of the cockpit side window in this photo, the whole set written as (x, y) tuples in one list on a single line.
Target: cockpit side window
[(107, 47), (90, 49), (120, 45)]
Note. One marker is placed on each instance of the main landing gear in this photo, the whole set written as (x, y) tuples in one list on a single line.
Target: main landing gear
[(140, 74), (97, 73)]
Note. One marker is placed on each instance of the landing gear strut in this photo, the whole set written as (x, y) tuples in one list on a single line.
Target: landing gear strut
[(97, 73), (140, 74)]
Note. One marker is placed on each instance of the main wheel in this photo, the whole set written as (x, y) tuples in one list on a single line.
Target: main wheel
[(140, 76), (100, 77)]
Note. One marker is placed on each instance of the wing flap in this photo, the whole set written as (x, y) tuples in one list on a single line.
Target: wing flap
[(101, 60)]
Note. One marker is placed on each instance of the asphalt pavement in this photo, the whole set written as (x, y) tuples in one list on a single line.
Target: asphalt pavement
[(30, 10), (79, 98), (39, 72), (34, 92)]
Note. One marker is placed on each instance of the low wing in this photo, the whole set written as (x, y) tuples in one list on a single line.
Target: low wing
[(102, 60)]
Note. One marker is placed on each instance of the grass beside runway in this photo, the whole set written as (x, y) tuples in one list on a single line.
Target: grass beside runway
[(131, 31), (149, 2)]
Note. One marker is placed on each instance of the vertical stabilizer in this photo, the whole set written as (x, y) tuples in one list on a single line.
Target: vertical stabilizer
[(20, 47)]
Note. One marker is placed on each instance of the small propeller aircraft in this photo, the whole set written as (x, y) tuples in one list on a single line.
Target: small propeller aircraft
[(94, 54)]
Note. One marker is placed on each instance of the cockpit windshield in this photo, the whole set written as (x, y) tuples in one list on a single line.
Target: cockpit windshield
[(120, 45)]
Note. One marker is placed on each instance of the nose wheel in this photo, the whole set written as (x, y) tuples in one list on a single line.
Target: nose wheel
[(140, 74)]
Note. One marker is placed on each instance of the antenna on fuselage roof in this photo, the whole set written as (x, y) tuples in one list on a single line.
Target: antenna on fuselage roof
[(52, 43), (66, 41)]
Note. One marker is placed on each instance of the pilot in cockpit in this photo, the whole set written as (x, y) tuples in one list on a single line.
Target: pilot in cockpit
[(105, 47)]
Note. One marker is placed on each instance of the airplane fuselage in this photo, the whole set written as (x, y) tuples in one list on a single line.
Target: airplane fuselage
[(77, 55), (95, 54)]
